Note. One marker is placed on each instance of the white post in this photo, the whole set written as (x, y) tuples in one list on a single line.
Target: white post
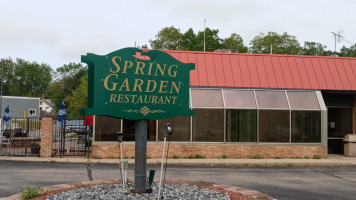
[(122, 168), (160, 178), (204, 34)]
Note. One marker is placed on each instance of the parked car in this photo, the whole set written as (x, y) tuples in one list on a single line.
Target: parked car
[(76, 126)]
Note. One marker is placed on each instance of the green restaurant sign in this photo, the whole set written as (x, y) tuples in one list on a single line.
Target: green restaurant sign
[(127, 85)]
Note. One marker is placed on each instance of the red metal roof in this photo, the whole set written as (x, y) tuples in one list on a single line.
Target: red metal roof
[(242, 70)]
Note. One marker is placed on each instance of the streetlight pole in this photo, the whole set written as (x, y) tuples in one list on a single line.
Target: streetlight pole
[(2, 75)]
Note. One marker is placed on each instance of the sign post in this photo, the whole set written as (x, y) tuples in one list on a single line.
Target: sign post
[(140, 155), (136, 85)]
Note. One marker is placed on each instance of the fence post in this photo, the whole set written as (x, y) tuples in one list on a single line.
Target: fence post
[(46, 136)]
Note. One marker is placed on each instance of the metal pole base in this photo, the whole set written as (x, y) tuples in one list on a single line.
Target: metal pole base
[(140, 155)]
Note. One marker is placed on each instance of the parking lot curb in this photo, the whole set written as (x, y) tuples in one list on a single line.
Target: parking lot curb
[(334, 161)]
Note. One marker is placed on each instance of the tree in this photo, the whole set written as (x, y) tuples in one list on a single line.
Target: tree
[(348, 52), (189, 41), (234, 42), (313, 49), (278, 44), (23, 78), (144, 46), (78, 99), (67, 80), (168, 38), (8, 66), (212, 40)]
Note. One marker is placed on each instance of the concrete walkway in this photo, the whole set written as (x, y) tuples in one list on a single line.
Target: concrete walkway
[(332, 160)]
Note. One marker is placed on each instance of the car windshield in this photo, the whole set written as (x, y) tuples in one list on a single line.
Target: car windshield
[(76, 122)]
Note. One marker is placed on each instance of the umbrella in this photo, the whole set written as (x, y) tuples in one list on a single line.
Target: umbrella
[(61, 114), (88, 120), (7, 118)]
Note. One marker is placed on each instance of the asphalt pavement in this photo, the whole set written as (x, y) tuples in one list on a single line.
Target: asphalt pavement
[(332, 178)]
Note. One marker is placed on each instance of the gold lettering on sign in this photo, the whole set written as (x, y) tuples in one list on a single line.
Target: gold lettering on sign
[(159, 89), (116, 65), (128, 64), (113, 84)]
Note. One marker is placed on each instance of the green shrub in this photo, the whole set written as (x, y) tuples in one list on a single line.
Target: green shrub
[(149, 157), (132, 157), (277, 157), (35, 145), (175, 157), (224, 156), (256, 157), (30, 193), (316, 157), (306, 157), (199, 156), (126, 157)]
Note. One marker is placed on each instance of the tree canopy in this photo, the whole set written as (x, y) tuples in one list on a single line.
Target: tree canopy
[(78, 99), (24, 78), (313, 49), (68, 78), (275, 43), (348, 52), (170, 38), (234, 42)]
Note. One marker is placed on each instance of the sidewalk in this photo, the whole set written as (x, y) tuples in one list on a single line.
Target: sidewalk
[(332, 160)]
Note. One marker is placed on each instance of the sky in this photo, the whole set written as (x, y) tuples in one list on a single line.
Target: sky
[(59, 32)]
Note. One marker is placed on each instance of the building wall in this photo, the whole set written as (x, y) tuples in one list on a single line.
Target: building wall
[(213, 150), (354, 116), (19, 105)]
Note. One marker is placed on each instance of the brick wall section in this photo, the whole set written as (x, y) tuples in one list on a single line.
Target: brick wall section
[(213, 150), (46, 137)]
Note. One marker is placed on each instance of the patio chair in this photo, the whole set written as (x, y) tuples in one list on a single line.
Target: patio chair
[(8, 142)]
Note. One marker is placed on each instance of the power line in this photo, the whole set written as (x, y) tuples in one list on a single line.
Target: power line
[(339, 37)]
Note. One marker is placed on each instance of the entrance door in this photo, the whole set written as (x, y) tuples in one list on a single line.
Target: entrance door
[(339, 125)]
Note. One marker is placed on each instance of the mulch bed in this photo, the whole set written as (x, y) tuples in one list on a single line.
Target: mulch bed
[(233, 195)]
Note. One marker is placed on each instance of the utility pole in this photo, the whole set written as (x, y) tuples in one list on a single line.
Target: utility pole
[(2, 76), (204, 34), (337, 37)]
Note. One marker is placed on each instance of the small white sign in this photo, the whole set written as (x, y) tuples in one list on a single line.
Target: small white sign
[(31, 112), (332, 124)]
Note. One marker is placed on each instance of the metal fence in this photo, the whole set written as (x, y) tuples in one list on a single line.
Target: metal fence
[(72, 137), (21, 137)]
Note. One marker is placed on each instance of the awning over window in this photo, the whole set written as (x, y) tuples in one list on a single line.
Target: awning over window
[(206, 98), (239, 99), (271, 99), (256, 99)]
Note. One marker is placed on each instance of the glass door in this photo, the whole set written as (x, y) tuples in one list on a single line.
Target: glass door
[(339, 125)]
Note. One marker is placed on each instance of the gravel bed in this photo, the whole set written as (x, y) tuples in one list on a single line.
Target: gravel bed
[(115, 191)]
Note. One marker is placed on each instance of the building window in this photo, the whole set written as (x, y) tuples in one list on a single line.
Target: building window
[(274, 126), (106, 128), (32, 112), (241, 125), (208, 125), (180, 126), (306, 126), (129, 130)]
